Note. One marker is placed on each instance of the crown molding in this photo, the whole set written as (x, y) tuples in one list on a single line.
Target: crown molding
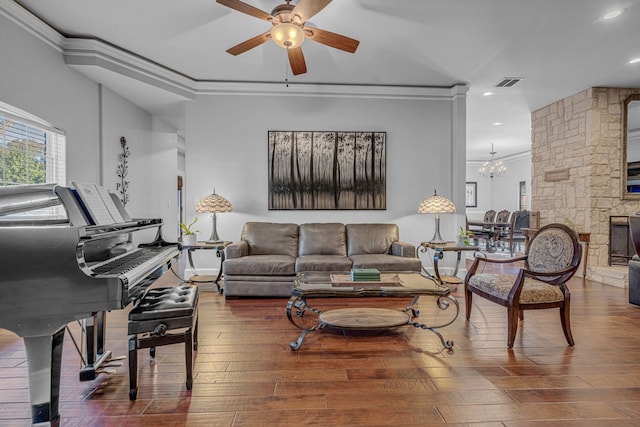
[(32, 24), (329, 90), (92, 52), (505, 159)]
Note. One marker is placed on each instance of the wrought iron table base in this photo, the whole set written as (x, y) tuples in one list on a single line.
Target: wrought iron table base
[(355, 319), (197, 278)]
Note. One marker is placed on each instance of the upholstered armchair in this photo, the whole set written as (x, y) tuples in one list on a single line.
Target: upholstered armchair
[(551, 259)]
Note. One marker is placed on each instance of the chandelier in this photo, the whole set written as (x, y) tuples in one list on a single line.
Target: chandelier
[(492, 169)]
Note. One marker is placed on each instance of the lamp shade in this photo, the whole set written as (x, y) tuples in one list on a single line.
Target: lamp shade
[(214, 203), (436, 204)]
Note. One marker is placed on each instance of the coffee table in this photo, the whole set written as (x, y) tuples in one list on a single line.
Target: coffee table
[(339, 285)]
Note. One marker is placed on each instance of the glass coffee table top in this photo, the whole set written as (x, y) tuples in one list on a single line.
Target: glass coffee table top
[(402, 284), (339, 285)]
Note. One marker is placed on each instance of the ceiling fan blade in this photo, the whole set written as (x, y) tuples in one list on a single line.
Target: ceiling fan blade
[(250, 44), (296, 60), (334, 40), (246, 8), (305, 9)]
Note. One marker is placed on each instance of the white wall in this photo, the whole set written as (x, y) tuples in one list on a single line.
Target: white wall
[(505, 190), (123, 119), (226, 148), (163, 164), (500, 193), (36, 80)]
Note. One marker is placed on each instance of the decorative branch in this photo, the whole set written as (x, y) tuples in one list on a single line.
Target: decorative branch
[(122, 171)]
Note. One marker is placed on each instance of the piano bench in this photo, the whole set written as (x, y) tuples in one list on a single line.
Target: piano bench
[(152, 320)]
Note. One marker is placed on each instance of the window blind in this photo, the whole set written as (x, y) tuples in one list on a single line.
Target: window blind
[(30, 153)]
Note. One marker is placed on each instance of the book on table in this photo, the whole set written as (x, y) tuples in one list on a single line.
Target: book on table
[(365, 274)]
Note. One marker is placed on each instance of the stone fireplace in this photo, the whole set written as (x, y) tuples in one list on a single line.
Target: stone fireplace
[(576, 170), (621, 247)]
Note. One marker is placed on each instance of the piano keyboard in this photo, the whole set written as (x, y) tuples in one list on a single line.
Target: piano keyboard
[(135, 263), (128, 261)]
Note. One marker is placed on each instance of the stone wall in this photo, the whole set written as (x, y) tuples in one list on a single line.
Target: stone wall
[(580, 138)]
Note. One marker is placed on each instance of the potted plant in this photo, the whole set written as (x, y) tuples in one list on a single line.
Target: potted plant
[(464, 237), (189, 237)]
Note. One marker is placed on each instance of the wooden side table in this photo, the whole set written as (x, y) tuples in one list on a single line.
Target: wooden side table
[(202, 278), (451, 281), (583, 237)]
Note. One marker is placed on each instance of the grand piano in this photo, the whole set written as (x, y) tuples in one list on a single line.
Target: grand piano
[(66, 267)]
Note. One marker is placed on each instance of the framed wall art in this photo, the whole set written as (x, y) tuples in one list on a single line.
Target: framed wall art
[(327, 170), (471, 195)]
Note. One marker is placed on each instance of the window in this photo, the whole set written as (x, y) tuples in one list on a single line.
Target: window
[(31, 151)]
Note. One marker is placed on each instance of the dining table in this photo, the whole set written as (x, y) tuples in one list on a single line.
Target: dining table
[(491, 228)]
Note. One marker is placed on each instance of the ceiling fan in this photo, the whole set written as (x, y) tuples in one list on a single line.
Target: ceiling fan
[(289, 30)]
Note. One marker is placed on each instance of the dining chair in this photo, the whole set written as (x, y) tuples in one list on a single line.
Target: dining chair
[(489, 216), (514, 235), (502, 217), (551, 259)]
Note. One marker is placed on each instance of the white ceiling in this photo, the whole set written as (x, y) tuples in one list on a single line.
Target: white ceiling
[(559, 47)]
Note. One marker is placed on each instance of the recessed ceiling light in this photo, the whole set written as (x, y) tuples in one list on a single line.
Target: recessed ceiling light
[(612, 15), (497, 123), (635, 61), (487, 93)]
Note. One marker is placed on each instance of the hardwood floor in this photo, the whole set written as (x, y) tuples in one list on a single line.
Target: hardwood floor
[(246, 374)]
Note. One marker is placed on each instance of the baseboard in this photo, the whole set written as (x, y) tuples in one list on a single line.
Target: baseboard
[(188, 272)]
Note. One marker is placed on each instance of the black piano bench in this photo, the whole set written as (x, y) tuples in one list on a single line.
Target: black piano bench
[(151, 321)]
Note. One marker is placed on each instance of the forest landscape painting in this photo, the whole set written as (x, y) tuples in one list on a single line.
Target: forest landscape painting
[(327, 170)]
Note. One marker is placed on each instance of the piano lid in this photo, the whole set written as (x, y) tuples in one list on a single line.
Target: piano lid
[(25, 198)]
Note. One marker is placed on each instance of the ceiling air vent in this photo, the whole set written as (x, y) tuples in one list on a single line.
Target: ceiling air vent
[(508, 81)]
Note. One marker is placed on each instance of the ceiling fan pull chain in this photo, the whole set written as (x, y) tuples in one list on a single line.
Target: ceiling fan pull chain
[(286, 69)]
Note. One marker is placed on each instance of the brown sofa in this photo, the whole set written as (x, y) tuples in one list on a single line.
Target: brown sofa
[(265, 261)]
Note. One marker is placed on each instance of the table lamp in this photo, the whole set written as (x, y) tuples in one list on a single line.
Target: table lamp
[(214, 204), (437, 205)]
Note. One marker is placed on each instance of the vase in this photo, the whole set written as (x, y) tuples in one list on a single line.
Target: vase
[(463, 241), (189, 239)]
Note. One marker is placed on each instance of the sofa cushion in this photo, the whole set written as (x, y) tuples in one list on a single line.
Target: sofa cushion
[(322, 239), (267, 238), (260, 264), (322, 263), (386, 262), (371, 238)]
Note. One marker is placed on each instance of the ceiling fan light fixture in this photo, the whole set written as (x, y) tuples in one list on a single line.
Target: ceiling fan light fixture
[(287, 35)]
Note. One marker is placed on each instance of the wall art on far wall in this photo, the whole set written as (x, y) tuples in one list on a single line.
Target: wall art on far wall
[(327, 170), (471, 195)]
